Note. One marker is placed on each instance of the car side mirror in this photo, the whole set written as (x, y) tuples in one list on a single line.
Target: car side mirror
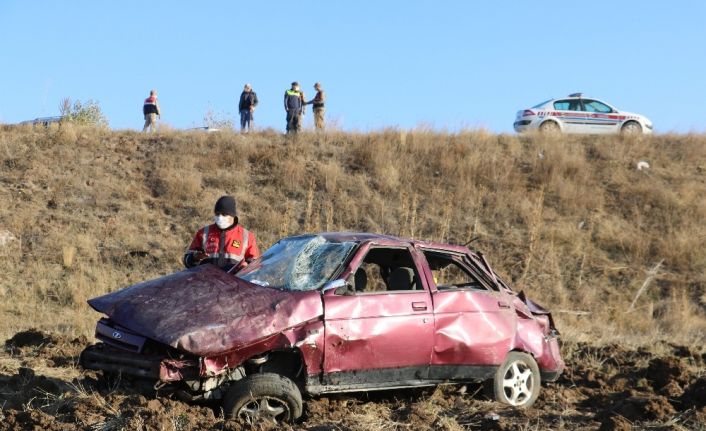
[(339, 287)]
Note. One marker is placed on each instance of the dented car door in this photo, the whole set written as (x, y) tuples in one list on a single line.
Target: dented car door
[(474, 323), (380, 334)]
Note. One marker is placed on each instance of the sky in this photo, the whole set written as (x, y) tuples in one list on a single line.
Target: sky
[(447, 65)]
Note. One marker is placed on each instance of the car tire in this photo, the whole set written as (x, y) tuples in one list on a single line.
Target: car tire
[(631, 128), (550, 128), (517, 381), (266, 397)]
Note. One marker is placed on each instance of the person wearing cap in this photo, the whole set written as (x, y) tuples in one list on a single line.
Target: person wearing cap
[(294, 105), (246, 107), (319, 109), (225, 243), (150, 109)]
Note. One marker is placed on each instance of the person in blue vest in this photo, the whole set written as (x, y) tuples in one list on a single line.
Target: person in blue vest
[(294, 105)]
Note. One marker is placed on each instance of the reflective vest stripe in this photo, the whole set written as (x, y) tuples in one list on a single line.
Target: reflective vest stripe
[(204, 241), (293, 93), (244, 245), (239, 256)]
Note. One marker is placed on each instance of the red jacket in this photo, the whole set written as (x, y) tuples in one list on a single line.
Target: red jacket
[(224, 248)]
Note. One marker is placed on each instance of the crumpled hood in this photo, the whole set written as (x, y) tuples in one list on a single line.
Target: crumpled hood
[(207, 311)]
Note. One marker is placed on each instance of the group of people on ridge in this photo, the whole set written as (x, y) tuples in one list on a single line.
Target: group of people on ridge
[(294, 106)]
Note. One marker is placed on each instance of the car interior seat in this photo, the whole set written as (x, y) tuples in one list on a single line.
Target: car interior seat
[(360, 280), (401, 278)]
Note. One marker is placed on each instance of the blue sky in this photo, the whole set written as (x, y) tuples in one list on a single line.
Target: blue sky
[(444, 64)]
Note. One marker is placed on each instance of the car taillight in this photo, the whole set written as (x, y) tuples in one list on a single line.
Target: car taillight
[(527, 112)]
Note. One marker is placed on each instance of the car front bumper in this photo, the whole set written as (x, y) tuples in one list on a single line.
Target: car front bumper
[(104, 357)]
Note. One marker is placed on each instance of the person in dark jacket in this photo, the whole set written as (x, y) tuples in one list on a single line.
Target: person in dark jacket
[(246, 107), (150, 109), (294, 105)]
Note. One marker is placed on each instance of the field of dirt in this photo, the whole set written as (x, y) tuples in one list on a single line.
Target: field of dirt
[(610, 387)]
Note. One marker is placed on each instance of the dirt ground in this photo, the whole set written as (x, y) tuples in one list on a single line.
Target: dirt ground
[(661, 387)]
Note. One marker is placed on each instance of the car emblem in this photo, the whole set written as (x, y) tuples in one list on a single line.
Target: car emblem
[(117, 335)]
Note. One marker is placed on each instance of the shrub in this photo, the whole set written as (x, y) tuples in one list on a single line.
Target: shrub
[(87, 113)]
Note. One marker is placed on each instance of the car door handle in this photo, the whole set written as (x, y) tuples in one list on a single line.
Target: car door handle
[(419, 306), (503, 304)]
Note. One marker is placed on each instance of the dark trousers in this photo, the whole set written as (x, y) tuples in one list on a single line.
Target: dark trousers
[(246, 119), (294, 122)]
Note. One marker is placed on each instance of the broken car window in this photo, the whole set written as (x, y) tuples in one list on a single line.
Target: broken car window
[(299, 263), (449, 273), (387, 270)]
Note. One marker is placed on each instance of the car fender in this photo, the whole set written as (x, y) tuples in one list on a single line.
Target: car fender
[(631, 116), (307, 339), (535, 335), (554, 119)]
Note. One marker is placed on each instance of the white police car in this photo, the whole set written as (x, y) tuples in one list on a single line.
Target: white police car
[(579, 114)]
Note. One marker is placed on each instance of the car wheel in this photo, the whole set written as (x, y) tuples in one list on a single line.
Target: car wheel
[(631, 128), (517, 381), (550, 128), (266, 397)]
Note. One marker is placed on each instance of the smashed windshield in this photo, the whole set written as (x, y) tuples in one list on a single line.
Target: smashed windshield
[(300, 263)]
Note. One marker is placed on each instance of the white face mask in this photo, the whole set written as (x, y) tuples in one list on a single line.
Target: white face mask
[(224, 221)]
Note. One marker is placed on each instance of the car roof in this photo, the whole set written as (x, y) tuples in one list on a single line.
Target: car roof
[(574, 96), (390, 240)]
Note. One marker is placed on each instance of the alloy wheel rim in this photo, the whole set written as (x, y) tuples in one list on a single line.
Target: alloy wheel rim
[(266, 409), (518, 383)]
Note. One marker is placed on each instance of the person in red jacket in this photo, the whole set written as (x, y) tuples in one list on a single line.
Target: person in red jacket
[(151, 111), (225, 243)]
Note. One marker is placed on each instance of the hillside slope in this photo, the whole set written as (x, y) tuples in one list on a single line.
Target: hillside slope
[(569, 220)]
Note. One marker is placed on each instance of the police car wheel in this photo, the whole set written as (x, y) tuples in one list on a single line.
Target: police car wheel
[(549, 127), (631, 128)]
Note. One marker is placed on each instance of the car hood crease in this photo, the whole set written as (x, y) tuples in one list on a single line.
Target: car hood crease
[(206, 311)]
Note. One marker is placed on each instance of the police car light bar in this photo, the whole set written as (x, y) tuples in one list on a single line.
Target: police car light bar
[(576, 95)]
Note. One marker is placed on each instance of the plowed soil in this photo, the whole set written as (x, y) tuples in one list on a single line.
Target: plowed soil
[(604, 388)]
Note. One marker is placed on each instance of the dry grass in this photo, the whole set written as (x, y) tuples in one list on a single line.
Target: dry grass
[(568, 219)]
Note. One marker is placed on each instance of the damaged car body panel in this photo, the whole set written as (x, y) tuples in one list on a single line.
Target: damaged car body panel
[(332, 312), (206, 311)]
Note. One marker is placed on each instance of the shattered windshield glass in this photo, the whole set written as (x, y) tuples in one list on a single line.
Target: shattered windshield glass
[(301, 263)]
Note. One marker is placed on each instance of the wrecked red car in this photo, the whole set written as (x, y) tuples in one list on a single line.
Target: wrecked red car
[(331, 312)]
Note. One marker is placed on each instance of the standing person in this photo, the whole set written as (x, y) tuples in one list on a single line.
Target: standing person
[(224, 243), (319, 109), (294, 105), (248, 102), (151, 111)]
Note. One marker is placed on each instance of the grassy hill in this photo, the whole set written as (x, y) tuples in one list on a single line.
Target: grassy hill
[(570, 220)]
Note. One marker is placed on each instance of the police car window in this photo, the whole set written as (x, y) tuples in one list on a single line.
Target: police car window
[(561, 105), (596, 106)]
